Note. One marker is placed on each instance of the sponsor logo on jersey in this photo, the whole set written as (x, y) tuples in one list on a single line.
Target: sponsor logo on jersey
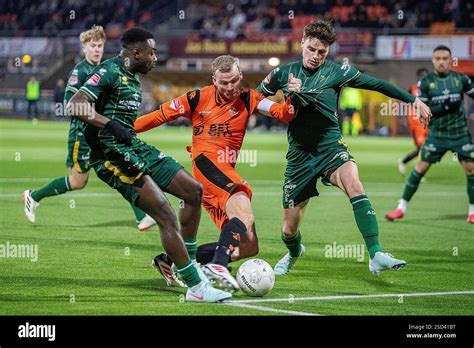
[(94, 80), (175, 104), (72, 80), (430, 148), (192, 95), (268, 78)]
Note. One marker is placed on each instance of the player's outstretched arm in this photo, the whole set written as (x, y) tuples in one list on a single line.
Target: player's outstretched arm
[(182, 106), (365, 81), (282, 112)]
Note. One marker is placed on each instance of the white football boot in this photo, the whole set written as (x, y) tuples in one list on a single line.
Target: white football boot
[(286, 263), (146, 223), (222, 277), (204, 292), (382, 261), (30, 206)]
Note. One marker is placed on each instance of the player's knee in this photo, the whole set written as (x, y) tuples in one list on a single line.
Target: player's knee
[(290, 228), (78, 182), (469, 170), (195, 194), (355, 189), (422, 167)]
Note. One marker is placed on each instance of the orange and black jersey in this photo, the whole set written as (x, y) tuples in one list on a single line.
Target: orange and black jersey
[(217, 124)]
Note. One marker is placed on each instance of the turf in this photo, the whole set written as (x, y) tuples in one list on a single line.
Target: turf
[(93, 261)]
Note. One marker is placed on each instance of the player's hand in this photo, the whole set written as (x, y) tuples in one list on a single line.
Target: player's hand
[(120, 133), (294, 84), (422, 111)]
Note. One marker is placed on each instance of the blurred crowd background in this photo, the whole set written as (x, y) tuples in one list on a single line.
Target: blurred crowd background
[(390, 39)]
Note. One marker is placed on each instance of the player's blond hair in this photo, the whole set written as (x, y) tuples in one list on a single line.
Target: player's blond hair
[(96, 33), (224, 64)]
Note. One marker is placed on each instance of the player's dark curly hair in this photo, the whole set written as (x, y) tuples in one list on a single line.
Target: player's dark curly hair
[(134, 35), (321, 30)]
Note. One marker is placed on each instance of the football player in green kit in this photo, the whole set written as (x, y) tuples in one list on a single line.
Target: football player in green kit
[(108, 102), (443, 90), (316, 149), (78, 160)]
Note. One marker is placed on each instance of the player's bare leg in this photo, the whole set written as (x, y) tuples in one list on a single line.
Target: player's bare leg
[(248, 245), (189, 190), (240, 221), (346, 177), (153, 201), (239, 206), (416, 176), (469, 170), (77, 179), (291, 236)]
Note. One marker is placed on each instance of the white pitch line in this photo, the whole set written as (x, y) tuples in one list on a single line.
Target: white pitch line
[(348, 297), (267, 309), (255, 193)]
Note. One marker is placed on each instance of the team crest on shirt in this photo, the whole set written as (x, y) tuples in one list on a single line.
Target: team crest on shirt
[(125, 80), (233, 111), (94, 80), (343, 155), (432, 85)]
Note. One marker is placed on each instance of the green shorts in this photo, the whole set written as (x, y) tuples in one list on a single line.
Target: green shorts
[(78, 151), (305, 168), (435, 148), (122, 165)]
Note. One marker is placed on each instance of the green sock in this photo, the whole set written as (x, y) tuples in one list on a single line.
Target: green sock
[(55, 187), (470, 188), (191, 246), (293, 244), (367, 223), (189, 274), (412, 185), (139, 214)]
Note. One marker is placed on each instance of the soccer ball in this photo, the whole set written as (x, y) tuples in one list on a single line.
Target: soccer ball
[(256, 277)]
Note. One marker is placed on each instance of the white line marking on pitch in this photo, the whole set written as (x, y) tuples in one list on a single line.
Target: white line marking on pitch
[(267, 309), (255, 193), (347, 297)]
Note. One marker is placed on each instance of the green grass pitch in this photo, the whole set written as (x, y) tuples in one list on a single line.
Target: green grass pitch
[(93, 261)]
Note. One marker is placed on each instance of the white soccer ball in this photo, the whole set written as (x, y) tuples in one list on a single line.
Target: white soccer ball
[(256, 277)]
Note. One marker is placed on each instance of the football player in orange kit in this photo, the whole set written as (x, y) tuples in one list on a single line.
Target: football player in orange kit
[(219, 114), (417, 130)]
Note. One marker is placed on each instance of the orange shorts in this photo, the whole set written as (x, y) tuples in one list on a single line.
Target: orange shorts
[(219, 182), (419, 135)]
